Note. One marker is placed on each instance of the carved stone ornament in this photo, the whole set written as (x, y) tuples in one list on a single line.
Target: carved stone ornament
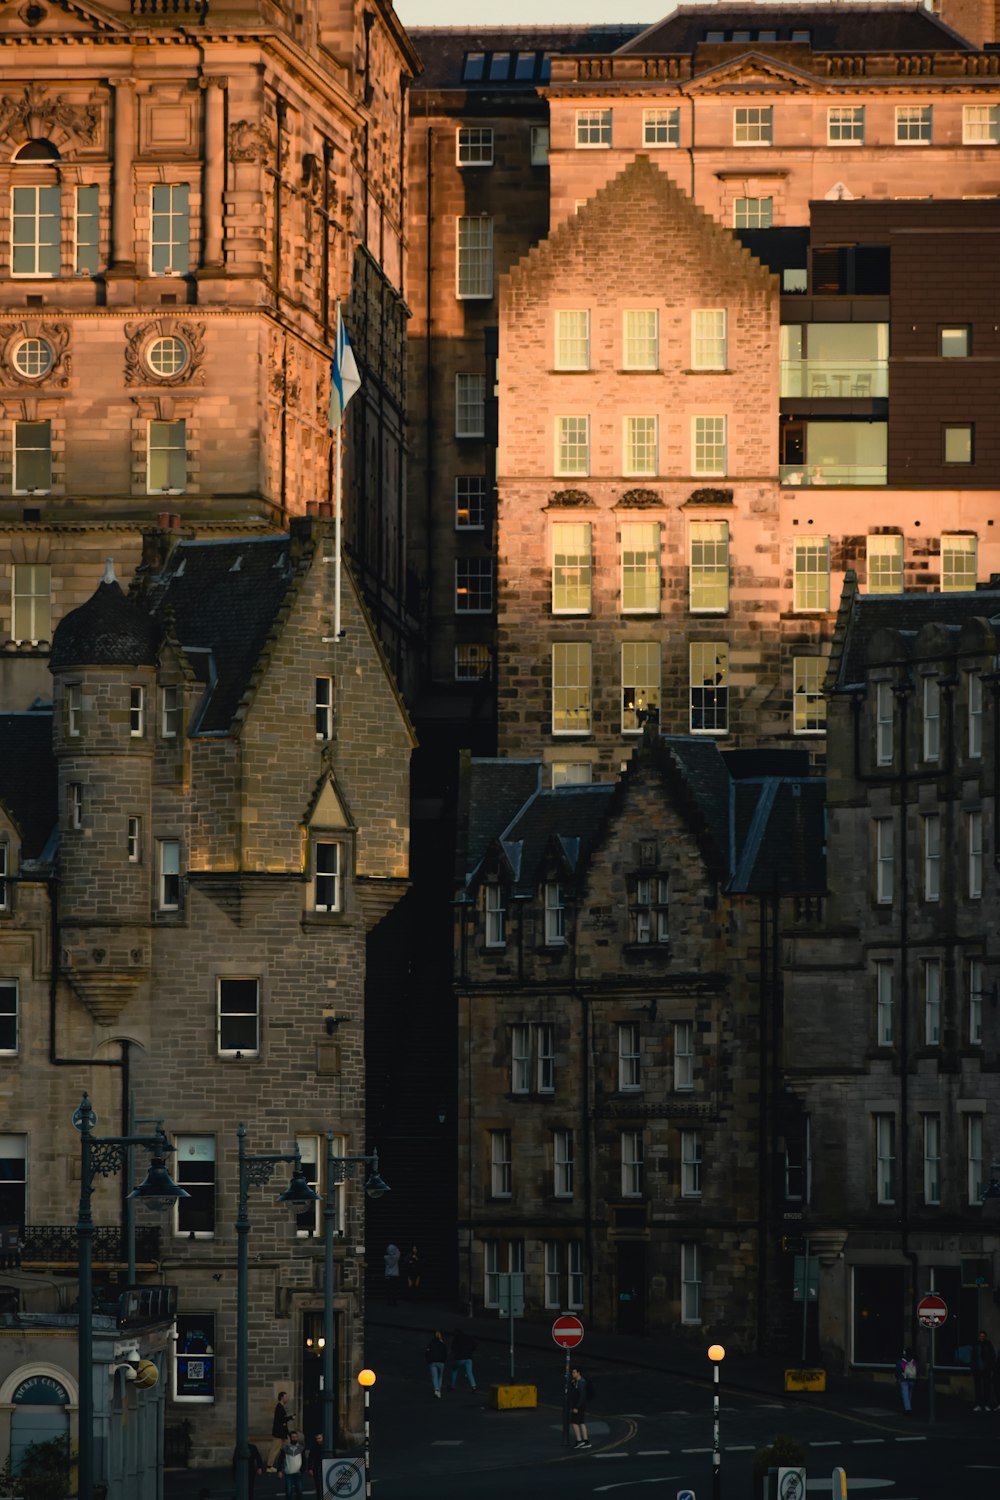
[(141, 336), (710, 496), (55, 335), (35, 114), (249, 140), (640, 499), (570, 497)]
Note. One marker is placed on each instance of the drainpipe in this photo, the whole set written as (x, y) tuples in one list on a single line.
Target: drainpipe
[(902, 690), (429, 436)]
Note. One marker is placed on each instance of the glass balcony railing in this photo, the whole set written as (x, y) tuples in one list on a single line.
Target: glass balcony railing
[(856, 379), (832, 474)]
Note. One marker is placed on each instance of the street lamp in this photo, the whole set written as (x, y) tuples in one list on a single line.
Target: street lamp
[(106, 1155), (337, 1168), (716, 1354), (297, 1196), (366, 1379)]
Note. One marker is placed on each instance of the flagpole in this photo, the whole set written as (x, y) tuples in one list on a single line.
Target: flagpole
[(337, 491)]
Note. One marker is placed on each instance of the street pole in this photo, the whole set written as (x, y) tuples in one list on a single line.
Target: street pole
[(805, 1302), (366, 1379), (510, 1321), (329, 1229), (716, 1354), (566, 1403), (930, 1380), (85, 1316)]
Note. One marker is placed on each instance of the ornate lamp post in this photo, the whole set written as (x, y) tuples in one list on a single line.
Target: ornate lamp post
[(298, 1195), (106, 1155), (337, 1168)]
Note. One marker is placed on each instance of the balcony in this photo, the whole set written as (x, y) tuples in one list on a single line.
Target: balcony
[(839, 379), (52, 1246), (833, 474), (834, 453)]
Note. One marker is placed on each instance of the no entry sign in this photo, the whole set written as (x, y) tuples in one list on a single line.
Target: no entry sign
[(567, 1331), (932, 1310)]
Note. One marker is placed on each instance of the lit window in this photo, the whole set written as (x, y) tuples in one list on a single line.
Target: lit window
[(709, 567), (709, 687), (651, 910), (956, 342), (572, 445), (708, 338), (845, 125), (593, 128), (980, 124), (168, 863), (690, 1282), (958, 442), (640, 555), (32, 602), (572, 773), (640, 684), (166, 464), (474, 146), (35, 231), (496, 916), (932, 856), (137, 712), (500, 1165), (8, 1017), (473, 585), (975, 981), (661, 127), (809, 705), (753, 213), (884, 1003), (632, 1163), (974, 839), (32, 458), (555, 915), (171, 712), (690, 1164), (133, 840), (309, 1222), (629, 1057), (683, 1056), (959, 563), (639, 445), (932, 1160), (195, 1165), (708, 445), (238, 1017), (914, 124), (884, 861), (74, 708), (753, 126), (572, 339), (170, 229), (473, 663), (974, 702), (885, 739), (327, 876), (562, 1162), (87, 231), (474, 239), (640, 339), (570, 687), (571, 568), (470, 502), (885, 1159), (885, 564), (812, 574), (932, 1001), (974, 1158)]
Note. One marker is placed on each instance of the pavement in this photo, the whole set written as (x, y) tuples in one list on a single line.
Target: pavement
[(403, 1407)]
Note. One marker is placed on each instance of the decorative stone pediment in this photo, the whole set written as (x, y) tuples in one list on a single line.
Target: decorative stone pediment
[(141, 337), (570, 497), (55, 17), (710, 496), (640, 499), (754, 70), (35, 113), (55, 335)]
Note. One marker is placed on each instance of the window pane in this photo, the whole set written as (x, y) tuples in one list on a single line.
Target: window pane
[(959, 563), (640, 340), (640, 684), (709, 445), (571, 568), (167, 464), (239, 1015), (475, 257), (709, 581), (32, 456), (470, 405), (812, 574), (572, 445), (885, 564), (573, 340), (640, 455), (87, 230), (170, 230), (709, 678), (708, 339), (809, 705), (32, 606), (640, 544), (475, 146), (35, 231), (661, 127), (570, 688)]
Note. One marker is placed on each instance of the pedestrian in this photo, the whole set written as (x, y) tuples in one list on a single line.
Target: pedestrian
[(463, 1347), (279, 1429), (315, 1463), (435, 1354), (391, 1260), (906, 1374), (294, 1458), (579, 1391), (413, 1270), (255, 1466), (984, 1364)]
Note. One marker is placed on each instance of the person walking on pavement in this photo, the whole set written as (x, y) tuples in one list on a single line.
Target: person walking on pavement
[(579, 1390), (413, 1270), (279, 1428), (906, 1376), (314, 1464), (391, 1261), (984, 1364), (463, 1347), (435, 1354), (294, 1452)]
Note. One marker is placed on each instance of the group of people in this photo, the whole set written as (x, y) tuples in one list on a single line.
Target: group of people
[(397, 1267), (288, 1454), (463, 1347), (982, 1359)]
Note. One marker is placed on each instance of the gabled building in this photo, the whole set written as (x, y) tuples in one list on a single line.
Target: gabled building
[(183, 931), (617, 994)]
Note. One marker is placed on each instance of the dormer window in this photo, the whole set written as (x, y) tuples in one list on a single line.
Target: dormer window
[(327, 894), (496, 917), (4, 873)]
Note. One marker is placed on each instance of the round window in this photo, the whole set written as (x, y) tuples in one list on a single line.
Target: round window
[(167, 356), (32, 358)]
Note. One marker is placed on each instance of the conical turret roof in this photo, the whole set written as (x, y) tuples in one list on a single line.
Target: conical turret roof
[(107, 631)]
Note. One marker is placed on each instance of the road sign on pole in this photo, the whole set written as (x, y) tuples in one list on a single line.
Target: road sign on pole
[(567, 1331), (932, 1310)]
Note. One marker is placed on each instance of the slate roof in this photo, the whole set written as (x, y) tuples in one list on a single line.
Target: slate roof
[(907, 614), (781, 836), (832, 28), (496, 790), (108, 630), (28, 787), (222, 597), (443, 49)]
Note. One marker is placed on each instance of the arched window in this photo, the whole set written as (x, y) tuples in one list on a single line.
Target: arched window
[(35, 212), (36, 150)]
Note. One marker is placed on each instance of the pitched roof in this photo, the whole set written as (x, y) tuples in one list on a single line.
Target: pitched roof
[(862, 616), (443, 51), (28, 786), (836, 27)]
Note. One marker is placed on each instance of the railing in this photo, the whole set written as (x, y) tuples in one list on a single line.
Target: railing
[(167, 9), (57, 1244), (856, 379), (832, 474)]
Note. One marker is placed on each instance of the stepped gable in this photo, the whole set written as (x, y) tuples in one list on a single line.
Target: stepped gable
[(619, 212), (28, 782), (107, 631), (905, 615), (832, 28), (225, 598)]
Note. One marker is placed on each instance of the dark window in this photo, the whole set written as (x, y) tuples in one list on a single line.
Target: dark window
[(13, 1172), (525, 65), (860, 270), (196, 1174), (8, 1015), (239, 1016), (500, 66), (879, 1322)]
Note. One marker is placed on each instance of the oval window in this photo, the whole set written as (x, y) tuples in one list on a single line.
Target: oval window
[(32, 358), (167, 356)]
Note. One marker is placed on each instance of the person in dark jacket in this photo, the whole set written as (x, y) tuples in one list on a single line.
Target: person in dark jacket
[(315, 1464), (436, 1353), (463, 1347), (984, 1364), (279, 1429), (579, 1390), (254, 1467)]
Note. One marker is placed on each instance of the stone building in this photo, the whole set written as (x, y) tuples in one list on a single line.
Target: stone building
[(890, 1044), (617, 998), (187, 903)]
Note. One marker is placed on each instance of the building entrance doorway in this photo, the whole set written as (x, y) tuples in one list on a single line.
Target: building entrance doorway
[(630, 1287), (312, 1375)]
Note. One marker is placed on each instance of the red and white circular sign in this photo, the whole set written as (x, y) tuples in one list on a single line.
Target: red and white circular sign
[(567, 1331), (932, 1310)]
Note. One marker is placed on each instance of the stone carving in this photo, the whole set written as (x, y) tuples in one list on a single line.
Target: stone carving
[(640, 499), (249, 140), (140, 335), (36, 114), (709, 496), (56, 335), (570, 497)]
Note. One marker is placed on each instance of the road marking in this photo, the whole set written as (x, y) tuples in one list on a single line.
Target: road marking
[(862, 1442), (609, 1455), (826, 1443), (921, 1439), (653, 1453), (447, 1442), (696, 1450), (740, 1448)]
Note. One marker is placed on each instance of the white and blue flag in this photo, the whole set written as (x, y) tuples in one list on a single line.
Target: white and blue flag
[(346, 379)]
